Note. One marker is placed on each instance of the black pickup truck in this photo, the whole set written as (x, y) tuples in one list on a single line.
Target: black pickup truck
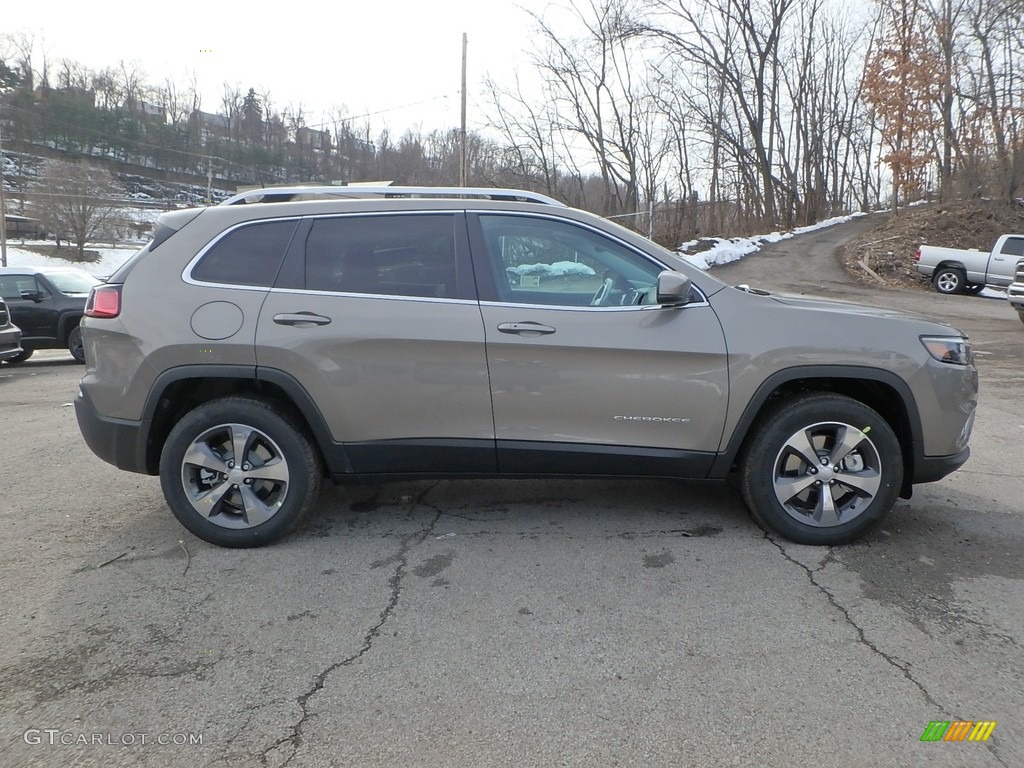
[(47, 303)]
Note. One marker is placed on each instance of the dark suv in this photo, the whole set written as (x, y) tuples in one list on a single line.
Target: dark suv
[(47, 303), (255, 347)]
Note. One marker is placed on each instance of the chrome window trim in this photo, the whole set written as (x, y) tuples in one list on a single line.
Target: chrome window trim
[(391, 296), (576, 308)]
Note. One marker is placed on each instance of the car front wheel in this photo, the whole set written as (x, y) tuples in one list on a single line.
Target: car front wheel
[(236, 472), (821, 469)]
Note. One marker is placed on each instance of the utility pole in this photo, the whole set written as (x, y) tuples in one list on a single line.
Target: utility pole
[(462, 135), (209, 181), (3, 205)]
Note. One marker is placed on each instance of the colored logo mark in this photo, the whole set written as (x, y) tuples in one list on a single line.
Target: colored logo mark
[(958, 730)]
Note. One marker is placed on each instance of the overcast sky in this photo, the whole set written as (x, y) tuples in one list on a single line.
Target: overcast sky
[(397, 59)]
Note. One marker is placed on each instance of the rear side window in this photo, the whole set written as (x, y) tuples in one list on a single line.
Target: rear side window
[(403, 255), (249, 255)]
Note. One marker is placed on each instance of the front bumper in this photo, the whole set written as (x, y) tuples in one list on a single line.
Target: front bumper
[(928, 469), (10, 343), (117, 441)]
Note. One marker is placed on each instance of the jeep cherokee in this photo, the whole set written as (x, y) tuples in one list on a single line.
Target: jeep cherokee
[(253, 348)]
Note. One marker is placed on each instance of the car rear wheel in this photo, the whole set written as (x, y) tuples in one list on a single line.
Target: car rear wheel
[(821, 469), (237, 472), (75, 346), (949, 280)]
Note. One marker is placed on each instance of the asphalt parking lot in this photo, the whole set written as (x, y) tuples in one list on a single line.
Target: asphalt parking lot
[(476, 623)]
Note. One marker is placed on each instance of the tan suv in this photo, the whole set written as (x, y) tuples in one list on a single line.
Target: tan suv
[(362, 334)]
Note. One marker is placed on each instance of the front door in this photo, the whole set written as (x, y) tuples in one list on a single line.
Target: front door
[(37, 316), (585, 365)]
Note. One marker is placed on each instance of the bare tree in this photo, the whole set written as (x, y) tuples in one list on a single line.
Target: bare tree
[(597, 85), (528, 129), (76, 200), (997, 97), (737, 45)]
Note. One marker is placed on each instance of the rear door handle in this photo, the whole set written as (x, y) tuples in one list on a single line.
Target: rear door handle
[(526, 328), (301, 319)]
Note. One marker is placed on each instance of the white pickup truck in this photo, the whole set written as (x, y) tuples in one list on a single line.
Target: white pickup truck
[(952, 270)]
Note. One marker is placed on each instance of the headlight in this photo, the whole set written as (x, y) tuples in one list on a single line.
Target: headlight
[(948, 349)]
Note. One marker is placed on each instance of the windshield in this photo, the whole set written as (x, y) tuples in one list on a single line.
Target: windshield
[(72, 282)]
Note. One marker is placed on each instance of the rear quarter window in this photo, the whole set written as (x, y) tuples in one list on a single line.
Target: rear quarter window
[(248, 255)]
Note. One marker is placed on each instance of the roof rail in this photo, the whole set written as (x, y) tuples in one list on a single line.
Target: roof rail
[(284, 194)]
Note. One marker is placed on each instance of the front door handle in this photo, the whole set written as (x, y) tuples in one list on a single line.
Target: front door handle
[(526, 329), (301, 319)]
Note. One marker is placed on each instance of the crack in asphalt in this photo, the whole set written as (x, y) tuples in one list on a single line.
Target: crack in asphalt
[(294, 738), (904, 668), (861, 636)]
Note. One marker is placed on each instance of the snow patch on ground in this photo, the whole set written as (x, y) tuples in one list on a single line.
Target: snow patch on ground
[(110, 258), (726, 250)]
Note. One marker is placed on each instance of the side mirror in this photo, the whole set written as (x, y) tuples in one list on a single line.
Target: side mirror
[(673, 287), (35, 296)]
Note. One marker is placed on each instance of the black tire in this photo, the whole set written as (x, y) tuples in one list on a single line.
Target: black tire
[(21, 357), (788, 494), (949, 280), (252, 505), (75, 346)]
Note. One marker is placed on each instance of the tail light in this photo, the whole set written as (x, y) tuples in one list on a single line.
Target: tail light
[(104, 301), (917, 255)]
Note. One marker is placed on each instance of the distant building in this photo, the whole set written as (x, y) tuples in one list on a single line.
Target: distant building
[(210, 126), (317, 140), (149, 112), (23, 226)]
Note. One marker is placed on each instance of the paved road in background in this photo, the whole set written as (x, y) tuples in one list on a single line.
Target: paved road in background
[(513, 623)]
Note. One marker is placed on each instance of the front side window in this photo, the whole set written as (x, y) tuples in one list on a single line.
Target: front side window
[(403, 255), (1013, 246), (543, 261), (248, 255)]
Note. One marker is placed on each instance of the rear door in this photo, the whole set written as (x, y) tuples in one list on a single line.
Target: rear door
[(375, 315), (585, 367)]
